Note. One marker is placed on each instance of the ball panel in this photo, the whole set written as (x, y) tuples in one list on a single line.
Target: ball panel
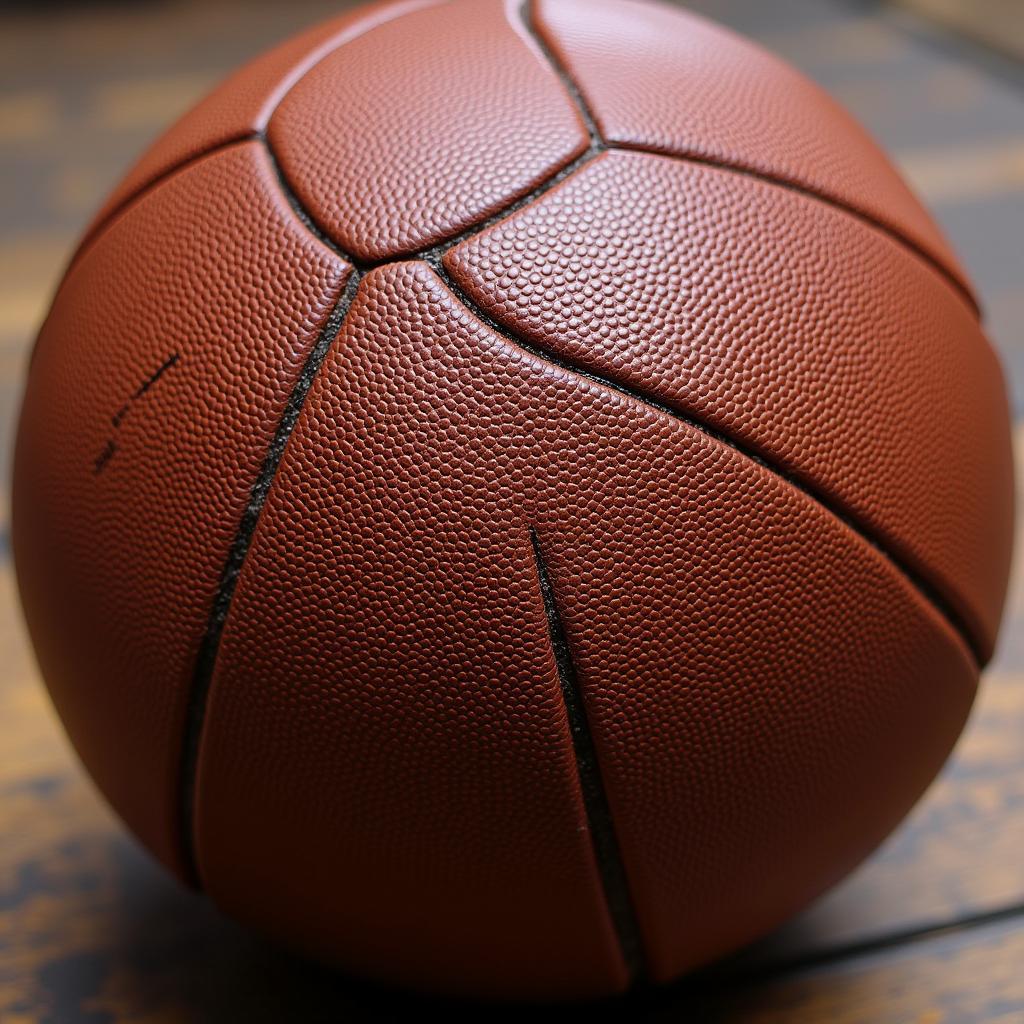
[(412, 132), (787, 324), (768, 695), (662, 78), (385, 771), (243, 103), (157, 384)]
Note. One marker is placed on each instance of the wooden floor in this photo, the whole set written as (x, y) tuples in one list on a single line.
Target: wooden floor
[(931, 930)]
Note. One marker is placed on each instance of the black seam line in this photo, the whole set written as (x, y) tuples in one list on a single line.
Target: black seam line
[(437, 250), (526, 17), (596, 146), (599, 144), (244, 136), (925, 588), (434, 257), (865, 948), (605, 844), (206, 659), (300, 211), (810, 193), (152, 184)]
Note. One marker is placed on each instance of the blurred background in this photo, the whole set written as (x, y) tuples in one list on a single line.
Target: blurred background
[(931, 930)]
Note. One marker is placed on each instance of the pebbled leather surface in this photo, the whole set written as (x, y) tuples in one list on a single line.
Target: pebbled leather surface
[(657, 77), (428, 825), (474, 117), (243, 103), (864, 374), (118, 567), (389, 770), (385, 738)]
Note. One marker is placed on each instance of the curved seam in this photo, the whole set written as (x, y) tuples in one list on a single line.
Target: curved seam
[(567, 170), (803, 190), (209, 646), (402, 9), (599, 145), (585, 107), (300, 210), (604, 842), (563, 170), (150, 185), (571, 86), (337, 42), (925, 589), (434, 257), (438, 249)]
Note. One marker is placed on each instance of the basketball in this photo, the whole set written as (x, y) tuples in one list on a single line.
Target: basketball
[(513, 501)]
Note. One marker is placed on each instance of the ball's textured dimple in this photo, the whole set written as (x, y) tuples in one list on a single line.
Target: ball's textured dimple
[(513, 499)]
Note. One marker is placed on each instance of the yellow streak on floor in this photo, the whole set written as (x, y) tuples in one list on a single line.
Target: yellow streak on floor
[(955, 173), (138, 102)]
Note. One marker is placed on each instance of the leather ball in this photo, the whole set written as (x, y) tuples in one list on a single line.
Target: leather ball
[(513, 500)]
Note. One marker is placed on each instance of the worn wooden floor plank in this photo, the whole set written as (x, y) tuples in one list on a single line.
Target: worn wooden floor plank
[(995, 23), (967, 976)]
